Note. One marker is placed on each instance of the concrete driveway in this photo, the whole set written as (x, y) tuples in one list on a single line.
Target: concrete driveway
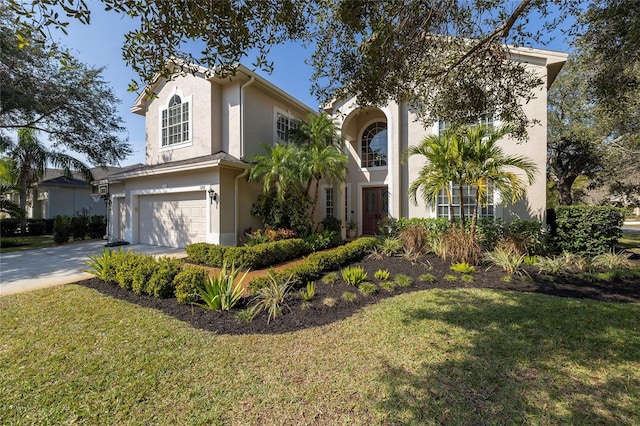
[(27, 270)]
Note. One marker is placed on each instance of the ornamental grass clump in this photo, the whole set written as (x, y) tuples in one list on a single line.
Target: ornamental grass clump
[(272, 297), (222, 292), (509, 260), (309, 291), (613, 260), (382, 275), (389, 246), (463, 268), (354, 275)]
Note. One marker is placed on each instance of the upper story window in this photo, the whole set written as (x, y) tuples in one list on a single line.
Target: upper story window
[(284, 124), (486, 119), (373, 146), (175, 124)]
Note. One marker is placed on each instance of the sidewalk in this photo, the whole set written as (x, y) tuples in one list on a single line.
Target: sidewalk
[(27, 270)]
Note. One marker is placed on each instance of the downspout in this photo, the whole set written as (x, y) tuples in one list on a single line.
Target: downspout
[(235, 213), (243, 174)]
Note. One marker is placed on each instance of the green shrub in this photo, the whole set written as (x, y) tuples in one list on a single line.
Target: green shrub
[(97, 227), (349, 296), (463, 268), (61, 229), (187, 283), (427, 278), (252, 257), (36, 226), (330, 278), (126, 267), (79, 227), (101, 265), (161, 284), (467, 278), (323, 240), (390, 245), (331, 223), (222, 292), (354, 275), (9, 227), (141, 273), (529, 237), (587, 230), (382, 275), (403, 280), (510, 261), (367, 288), (309, 291), (387, 285), (612, 260), (10, 242), (320, 262)]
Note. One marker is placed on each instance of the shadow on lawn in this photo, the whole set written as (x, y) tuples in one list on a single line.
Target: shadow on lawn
[(520, 359)]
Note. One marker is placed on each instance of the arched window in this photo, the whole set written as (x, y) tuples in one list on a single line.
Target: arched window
[(175, 122), (373, 148)]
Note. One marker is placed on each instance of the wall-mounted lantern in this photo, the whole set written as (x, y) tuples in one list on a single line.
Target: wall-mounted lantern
[(212, 195)]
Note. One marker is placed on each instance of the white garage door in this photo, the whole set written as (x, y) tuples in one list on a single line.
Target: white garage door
[(173, 220)]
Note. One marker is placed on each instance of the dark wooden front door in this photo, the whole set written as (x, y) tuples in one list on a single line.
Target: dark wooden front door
[(375, 206)]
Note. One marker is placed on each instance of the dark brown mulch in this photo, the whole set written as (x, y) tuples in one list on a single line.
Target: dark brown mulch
[(298, 316)]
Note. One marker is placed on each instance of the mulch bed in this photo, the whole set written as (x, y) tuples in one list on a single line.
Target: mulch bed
[(301, 315)]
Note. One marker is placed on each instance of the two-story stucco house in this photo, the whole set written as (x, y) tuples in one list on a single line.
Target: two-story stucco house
[(201, 131)]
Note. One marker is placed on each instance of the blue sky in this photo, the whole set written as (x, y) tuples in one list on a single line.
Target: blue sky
[(99, 44)]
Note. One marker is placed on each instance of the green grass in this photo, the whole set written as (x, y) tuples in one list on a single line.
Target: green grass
[(630, 241), (71, 355), (30, 243)]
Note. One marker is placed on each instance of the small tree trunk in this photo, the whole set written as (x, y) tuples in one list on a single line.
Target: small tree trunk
[(463, 220), (22, 190), (564, 190)]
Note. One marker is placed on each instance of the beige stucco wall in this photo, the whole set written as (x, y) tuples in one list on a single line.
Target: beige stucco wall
[(403, 131), (204, 106)]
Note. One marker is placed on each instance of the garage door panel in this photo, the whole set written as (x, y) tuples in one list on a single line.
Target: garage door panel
[(173, 219)]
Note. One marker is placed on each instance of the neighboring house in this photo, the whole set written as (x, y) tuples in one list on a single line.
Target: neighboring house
[(375, 138), (201, 131), (57, 195)]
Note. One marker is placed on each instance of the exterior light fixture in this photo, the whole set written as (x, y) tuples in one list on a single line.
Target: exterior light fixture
[(212, 195)]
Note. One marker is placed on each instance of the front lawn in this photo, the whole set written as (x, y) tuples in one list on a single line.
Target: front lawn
[(465, 356), (27, 242)]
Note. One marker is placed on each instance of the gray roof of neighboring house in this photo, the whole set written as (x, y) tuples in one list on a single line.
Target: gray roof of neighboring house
[(63, 181), (97, 172), (217, 158)]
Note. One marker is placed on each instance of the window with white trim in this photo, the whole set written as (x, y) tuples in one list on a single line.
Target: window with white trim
[(373, 146), (175, 122), (486, 119), (469, 198), (329, 210), (284, 124)]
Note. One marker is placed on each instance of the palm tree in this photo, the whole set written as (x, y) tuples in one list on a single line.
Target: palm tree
[(321, 157), (31, 157), (485, 162), (469, 156), (443, 166), (278, 169)]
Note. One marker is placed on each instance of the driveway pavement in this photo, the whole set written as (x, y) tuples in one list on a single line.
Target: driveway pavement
[(27, 270)]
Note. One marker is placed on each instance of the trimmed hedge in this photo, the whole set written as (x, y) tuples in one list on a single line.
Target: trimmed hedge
[(141, 273), (253, 257), (587, 230), (318, 263)]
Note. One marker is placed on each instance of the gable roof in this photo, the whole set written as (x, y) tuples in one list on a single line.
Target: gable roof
[(242, 74), (64, 181)]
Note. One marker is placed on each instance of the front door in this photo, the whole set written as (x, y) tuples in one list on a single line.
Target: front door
[(375, 207)]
